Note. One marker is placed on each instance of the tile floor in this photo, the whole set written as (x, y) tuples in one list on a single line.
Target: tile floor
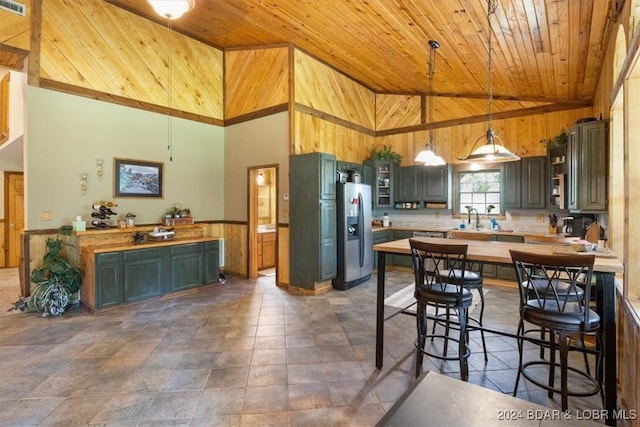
[(246, 353)]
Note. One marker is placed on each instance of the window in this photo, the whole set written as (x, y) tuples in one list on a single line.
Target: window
[(479, 189)]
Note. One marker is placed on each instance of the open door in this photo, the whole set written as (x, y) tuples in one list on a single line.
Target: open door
[(263, 212)]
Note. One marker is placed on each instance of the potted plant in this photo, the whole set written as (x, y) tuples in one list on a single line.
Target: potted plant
[(56, 280), (384, 153), (558, 142)]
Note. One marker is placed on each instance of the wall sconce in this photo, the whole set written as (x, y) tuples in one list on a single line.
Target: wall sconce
[(83, 181), (260, 179), (99, 169)]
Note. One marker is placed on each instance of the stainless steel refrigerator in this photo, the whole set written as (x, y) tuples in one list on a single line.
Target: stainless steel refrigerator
[(355, 238)]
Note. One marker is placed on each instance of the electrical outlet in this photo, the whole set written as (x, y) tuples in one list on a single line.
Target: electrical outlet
[(46, 215), (285, 196), (539, 218)]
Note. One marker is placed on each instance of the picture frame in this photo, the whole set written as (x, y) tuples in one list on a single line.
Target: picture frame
[(137, 178)]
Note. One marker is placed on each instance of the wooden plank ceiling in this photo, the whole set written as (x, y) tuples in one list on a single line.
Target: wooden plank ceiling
[(546, 53)]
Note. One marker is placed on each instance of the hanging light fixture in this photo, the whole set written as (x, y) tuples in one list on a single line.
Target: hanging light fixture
[(492, 151), (172, 9), (428, 156)]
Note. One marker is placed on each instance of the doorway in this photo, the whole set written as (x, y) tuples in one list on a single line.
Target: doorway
[(14, 216), (263, 221)]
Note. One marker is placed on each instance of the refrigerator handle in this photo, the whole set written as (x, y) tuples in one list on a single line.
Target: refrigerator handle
[(361, 228)]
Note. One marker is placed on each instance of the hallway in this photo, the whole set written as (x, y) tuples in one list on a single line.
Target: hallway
[(241, 354)]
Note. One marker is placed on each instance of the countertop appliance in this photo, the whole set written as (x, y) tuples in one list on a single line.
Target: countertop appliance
[(355, 237)]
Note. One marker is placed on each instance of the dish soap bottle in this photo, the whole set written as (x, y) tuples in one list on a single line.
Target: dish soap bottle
[(385, 220)]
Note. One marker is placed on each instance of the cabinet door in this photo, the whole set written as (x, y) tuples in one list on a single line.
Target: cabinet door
[(268, 250), (328, 262), (592, 176), (108, 279), (211, 261), (187, 266), (327, 177), (436, 184), (382, 183), (146, 273), (402, 260), (511, 185), (534, 182), (381, 236), (409, 183)]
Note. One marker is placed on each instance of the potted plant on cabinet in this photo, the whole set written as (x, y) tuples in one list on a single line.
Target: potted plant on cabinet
[(385, 153), (56, 280)]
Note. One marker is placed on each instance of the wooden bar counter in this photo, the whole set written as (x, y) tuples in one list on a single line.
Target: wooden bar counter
[(120, 272)]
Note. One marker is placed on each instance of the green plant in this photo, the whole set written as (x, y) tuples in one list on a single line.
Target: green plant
[(557, 142), (56, 281), (384, 153)]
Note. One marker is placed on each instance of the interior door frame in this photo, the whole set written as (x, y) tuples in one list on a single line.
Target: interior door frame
[(8, 220), (252, 215)]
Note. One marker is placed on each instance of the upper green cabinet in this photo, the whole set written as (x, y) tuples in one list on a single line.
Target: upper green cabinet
[(312, 219), (587, 167), (380, 176), (428, 184), (524, 183)]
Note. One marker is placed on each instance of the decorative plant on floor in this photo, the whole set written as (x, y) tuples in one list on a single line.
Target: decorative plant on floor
[(56, 281)]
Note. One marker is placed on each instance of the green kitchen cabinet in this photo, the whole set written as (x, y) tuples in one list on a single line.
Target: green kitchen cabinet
[(108, 273), (402, 260), (381, 236), (587, 158), (381, 181), (312, 219), (408, 184), (146, 272), (187, 266), (436, 184), (524, 183), (211, 261)]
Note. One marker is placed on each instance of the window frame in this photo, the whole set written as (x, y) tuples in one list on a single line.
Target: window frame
[(467, 168)]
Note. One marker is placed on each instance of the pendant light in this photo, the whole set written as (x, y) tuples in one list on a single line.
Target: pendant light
[(428, 156), (172, 9), (492, 151)]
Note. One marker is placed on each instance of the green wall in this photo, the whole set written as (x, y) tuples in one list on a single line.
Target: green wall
[(65, 134)]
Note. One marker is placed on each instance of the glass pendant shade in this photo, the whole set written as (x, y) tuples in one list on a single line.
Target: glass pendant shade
[(172, 9), (490, 152), (429, 157)]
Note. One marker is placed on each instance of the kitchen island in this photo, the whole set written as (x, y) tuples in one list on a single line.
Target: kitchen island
[(497, 253)]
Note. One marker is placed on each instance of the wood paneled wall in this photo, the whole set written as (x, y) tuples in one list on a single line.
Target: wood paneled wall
[(101, 48), (236, 251), (322, 88), (255, 79), (398, 111)]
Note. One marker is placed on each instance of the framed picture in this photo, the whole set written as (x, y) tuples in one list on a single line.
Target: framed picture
[(137, 178)]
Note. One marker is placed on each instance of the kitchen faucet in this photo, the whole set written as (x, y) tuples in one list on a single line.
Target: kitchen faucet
[(477, 217)]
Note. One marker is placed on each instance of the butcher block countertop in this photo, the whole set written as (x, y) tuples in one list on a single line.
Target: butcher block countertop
[(96, 249)]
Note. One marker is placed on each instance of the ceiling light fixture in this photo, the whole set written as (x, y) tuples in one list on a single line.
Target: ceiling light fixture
[(172, 9), (491, 151), (428, 156)]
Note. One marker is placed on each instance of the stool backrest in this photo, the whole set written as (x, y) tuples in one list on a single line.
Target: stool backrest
[(432, 261), (540, 276)]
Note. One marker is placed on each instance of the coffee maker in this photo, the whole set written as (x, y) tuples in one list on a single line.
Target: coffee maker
[(577, 225)]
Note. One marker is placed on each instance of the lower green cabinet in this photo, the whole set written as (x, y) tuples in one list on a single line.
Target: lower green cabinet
[(187, 266), (381, 236), (109, 275), (402, 260), (146, 273), (134, 275), (211, 261)]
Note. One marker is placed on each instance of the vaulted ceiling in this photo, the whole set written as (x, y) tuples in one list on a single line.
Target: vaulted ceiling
[(544, 51)]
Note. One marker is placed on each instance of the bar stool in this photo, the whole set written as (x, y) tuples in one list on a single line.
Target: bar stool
[(472, 278), (434, 288), (566, 315)]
